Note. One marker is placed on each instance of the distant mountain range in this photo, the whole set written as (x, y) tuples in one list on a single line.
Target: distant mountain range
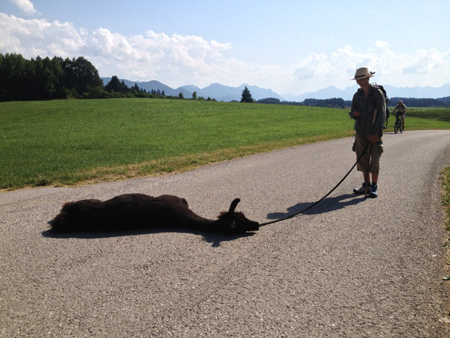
[(226, 93), (347, 93)]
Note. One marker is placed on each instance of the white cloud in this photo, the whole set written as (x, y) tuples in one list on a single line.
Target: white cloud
[(175, 60), (39, 37), (171, 59), (178, 60), (25, 6), (422, 68), (426, 62), (313, 66), (383, 45)]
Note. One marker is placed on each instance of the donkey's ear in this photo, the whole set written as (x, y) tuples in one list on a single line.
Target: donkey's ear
[(233, 205)]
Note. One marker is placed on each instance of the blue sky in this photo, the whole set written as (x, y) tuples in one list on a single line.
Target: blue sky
[(291, 47)]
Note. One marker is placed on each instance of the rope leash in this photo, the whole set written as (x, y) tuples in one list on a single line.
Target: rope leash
[(315, 203)]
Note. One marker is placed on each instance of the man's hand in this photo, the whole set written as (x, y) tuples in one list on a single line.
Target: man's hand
[(356, 114), (374, 138)]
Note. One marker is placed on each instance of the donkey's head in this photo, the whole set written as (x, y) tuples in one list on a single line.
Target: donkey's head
[(233, 222)]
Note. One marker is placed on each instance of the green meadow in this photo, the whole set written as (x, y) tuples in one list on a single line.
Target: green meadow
[(69, 142)]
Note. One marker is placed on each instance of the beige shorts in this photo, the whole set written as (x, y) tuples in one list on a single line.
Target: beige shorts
[(370, 161)]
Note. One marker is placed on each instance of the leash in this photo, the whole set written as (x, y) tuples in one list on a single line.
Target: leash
[(315, 203)]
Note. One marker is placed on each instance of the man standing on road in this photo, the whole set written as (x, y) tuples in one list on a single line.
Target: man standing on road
[(369, 112)]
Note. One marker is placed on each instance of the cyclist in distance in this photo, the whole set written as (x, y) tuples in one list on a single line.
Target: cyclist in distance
[(401, 112)]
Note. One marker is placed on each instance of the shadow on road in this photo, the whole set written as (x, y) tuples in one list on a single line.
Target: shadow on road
[(327, 205), (214, 238)]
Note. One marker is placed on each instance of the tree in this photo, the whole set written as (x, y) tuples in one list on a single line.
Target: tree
[(43, 81), (194, 96), (114, 85), (135, 89), (46, 79), (58, 74), (80, 75), (246, 96), (271, 100), (13, 75)]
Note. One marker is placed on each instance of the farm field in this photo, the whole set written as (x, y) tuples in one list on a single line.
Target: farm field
[(69, 142)]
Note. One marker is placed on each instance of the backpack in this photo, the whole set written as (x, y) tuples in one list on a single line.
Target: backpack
[(380, 87)]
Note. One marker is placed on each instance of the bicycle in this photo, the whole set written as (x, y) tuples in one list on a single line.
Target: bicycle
[(398, 126)]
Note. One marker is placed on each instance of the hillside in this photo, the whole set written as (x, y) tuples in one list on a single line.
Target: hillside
[(226, 93)]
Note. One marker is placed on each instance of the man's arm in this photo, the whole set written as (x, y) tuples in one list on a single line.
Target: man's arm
[(354, 108)]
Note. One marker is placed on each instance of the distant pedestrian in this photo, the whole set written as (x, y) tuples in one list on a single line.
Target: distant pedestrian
[(369, 112), (401, 112)]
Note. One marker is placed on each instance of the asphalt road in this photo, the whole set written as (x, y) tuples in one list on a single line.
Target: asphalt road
[(350, 267)]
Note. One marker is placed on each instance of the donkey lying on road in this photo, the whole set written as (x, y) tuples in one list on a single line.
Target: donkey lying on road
[(131, 211)]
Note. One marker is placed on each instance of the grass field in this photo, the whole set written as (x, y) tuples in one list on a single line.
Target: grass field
[(73, 141)]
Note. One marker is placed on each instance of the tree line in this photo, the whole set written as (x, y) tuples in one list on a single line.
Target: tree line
[(413, 102), (118, 89), (341, 103), (328, 103), (46, 79), (58, 78)]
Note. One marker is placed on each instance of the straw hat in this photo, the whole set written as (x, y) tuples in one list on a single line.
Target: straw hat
[(362, 73)]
